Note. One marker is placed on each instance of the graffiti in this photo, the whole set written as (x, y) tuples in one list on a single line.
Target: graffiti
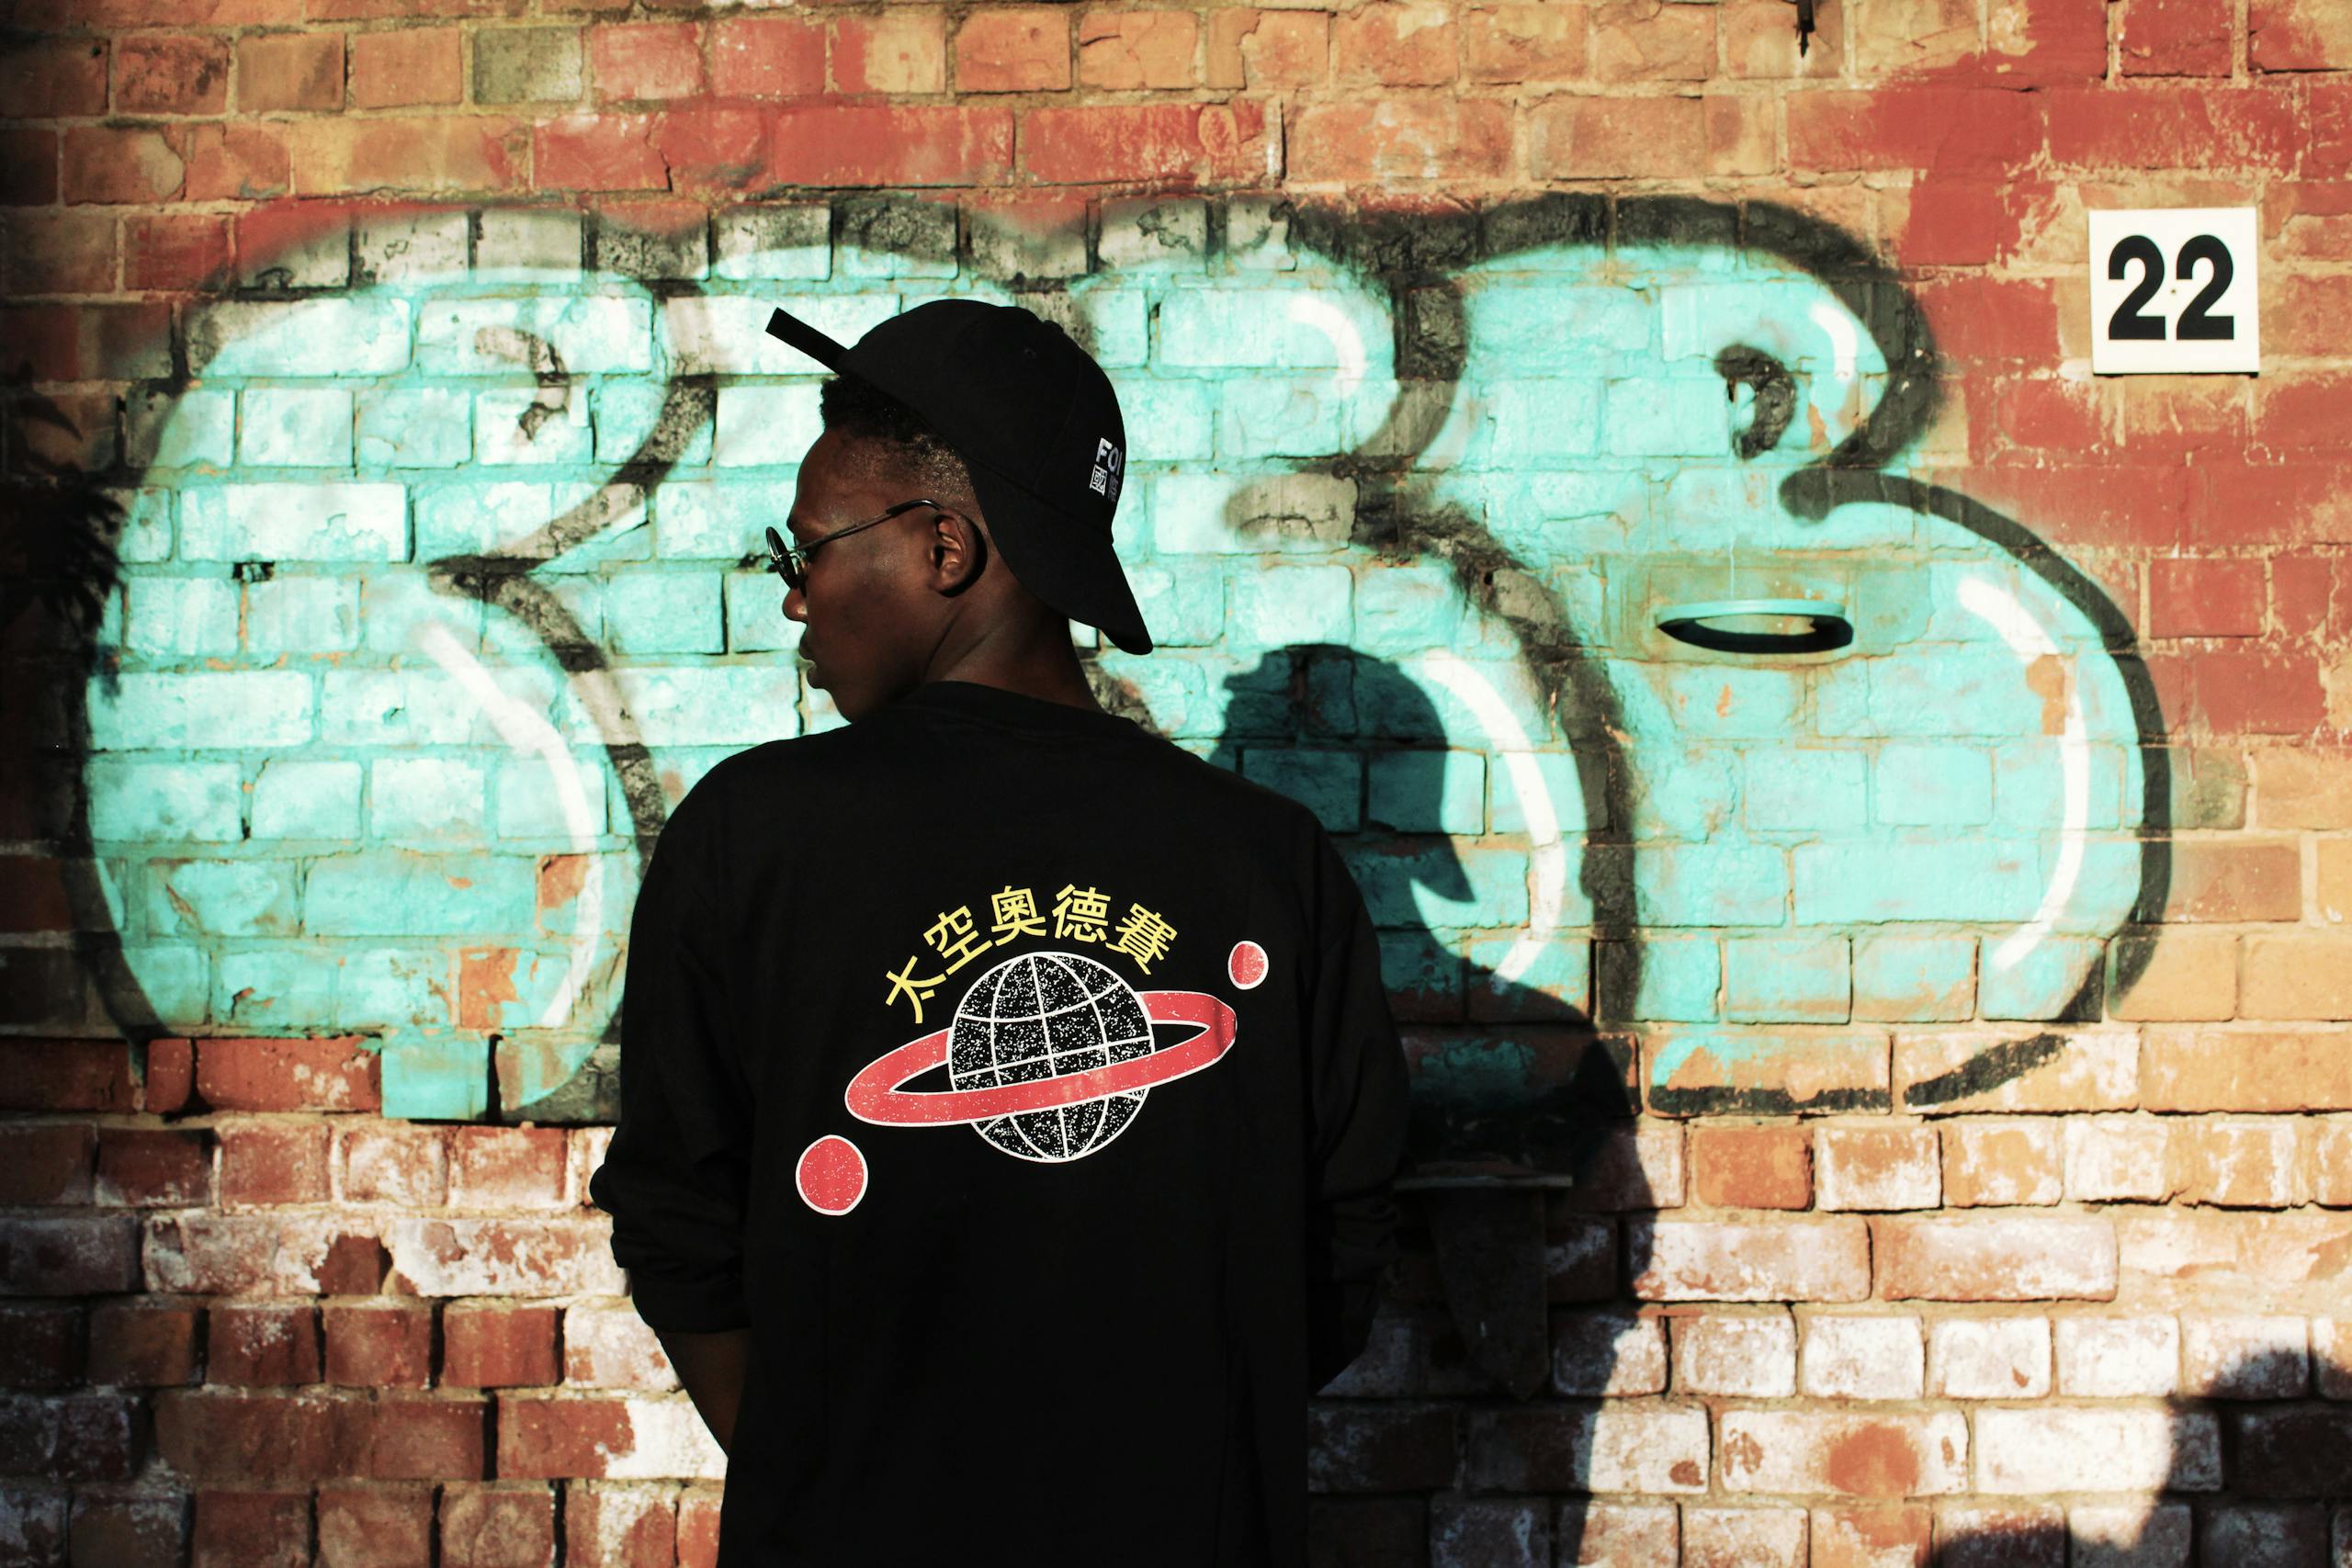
[(438, 590)]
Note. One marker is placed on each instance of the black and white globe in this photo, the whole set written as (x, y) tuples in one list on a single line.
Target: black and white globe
[(1046, 1015)]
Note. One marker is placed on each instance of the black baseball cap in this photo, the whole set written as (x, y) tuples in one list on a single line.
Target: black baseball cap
[(1035, 420)]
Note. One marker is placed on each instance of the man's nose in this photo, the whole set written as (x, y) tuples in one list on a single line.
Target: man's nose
[(796, 605)]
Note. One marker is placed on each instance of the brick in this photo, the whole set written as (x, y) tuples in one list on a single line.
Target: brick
[(110, 164), (608, 1525), (171, 1076), (2021, 1535), (145, 1166), (1508, 1534), (597, 151), (64, 1074), (1752, 1168), (2161, 128), (767, 57), (1535, 43), (2236, 880), (607, 1345), (405, 67), (515, 65), (1744, 1538), (2304, 975), (1641, 41), (2303, 787), (1746, 1354), (1386, 44), (2245, 1357), (237, 163), (1715, 1072), (364, 1523), (1613, 1535), (1606, 1448), (645, 59), (2234, 1163), (2002, 1164), (1989, 1357), (1871, 1537), (487, 1344), (427, 1436), (2037, 1259), (47, 1163), (2247, 1070), (171, 74), (1616, 138), (1344, 1529), (1877, 1167), (273, 1162), (1759, 1261), (379, 1344), (497, 1524), (131, 1530), (2111, 1158), (1835, 1454), (289, 71), (1263, 49), (1638, 1166), (1401, 139), (2183, 974), (66, 253), (1944, 130), (72, 1255), (2296, 35), (40, 1347), (2332, 1355), (142, 1344), (1613, 1353), (2301, 1452), (251, 1530), (1377, 1448), (2327, 1160), (1862, 1357), (1013, 49), (421, 154), (394, 1163), (1170, 142), (287, 1075), (2055, 1448), (508, 1167), (257, 1345), (232, 1435), (858, 144), (1127, 51), (2254, 691), (2226, 1248), (2199, 596), (54, 77)]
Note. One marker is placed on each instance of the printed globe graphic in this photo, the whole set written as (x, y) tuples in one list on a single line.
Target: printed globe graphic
[(1046, 1015)]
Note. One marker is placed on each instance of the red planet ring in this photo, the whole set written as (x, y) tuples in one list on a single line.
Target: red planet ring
[(878, 1093)]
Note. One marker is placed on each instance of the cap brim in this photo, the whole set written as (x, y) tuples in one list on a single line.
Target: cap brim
[(1061, 560), (807, 339)]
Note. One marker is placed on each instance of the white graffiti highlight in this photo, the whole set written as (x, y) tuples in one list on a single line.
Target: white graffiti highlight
[(1547, 856), (2030, 640)]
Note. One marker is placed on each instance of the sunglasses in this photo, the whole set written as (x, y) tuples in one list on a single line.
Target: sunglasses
[(791, 562)]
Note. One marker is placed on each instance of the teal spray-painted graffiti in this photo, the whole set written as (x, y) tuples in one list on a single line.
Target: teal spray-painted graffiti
[(438, 588)]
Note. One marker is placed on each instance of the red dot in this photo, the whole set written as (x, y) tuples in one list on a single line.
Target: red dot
[(1245, 963), (831, 1175)]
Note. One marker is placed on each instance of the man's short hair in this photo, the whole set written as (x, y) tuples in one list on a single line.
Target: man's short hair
[(859, 411)]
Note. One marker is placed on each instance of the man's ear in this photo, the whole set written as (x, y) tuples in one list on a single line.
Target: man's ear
[(959, 552)]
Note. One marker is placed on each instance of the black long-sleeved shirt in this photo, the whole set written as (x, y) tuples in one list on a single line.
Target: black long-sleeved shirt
[(1025, 1085)]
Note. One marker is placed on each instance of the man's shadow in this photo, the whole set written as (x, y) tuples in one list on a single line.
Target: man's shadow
[(1524, 1156)]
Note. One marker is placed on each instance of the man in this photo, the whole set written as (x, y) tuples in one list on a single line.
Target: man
[(1009, 1100)]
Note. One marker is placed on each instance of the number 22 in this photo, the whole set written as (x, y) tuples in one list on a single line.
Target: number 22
[(2197, 322)]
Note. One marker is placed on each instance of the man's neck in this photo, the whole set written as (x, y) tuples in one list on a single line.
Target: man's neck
[(1037, 662)]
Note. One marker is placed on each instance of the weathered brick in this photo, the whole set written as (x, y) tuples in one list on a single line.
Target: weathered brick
[(1862, 1357), (214, 1434), (1826, 1452), (508, 1169), (1861, 1166), (45, 78), (171, 74), (262, 1345), (379, 1344), (427, 1436), (608, 1525), (250, 1529), (2118, 1157), (2247, 1070), (364, 1522), (390, 1162), (72, 1255), (2302, 976), (607, 1345), (1124, 50), (1752, 1355), (404, 67), (48, 1163), (2244, 1357), (264, 1163), (2061, 1448), (2296, 35), (1605, 1447), (1380, 1448), (287, 1075), (895, 51), (1262, 49), (1636, 41), (1583, 138), (1013, 49), (496, 1523), (1390, 44), (2002, 1164), (1989, 1357), (65, 1075), (872, 145), (1172, 142), (1744, 1538), (1752, 1168), (645, 59), (289, 71), (142, 1344), (2241, 1164), (493, 1345), (1871, 1537), (1952, 1258), (1755, 1260)]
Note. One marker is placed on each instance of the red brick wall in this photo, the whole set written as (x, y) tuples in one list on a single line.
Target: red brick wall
[(2093, 1287)]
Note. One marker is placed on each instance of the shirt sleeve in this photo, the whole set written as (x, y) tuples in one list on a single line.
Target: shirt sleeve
[(1360, 1106), (675, 1177)]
